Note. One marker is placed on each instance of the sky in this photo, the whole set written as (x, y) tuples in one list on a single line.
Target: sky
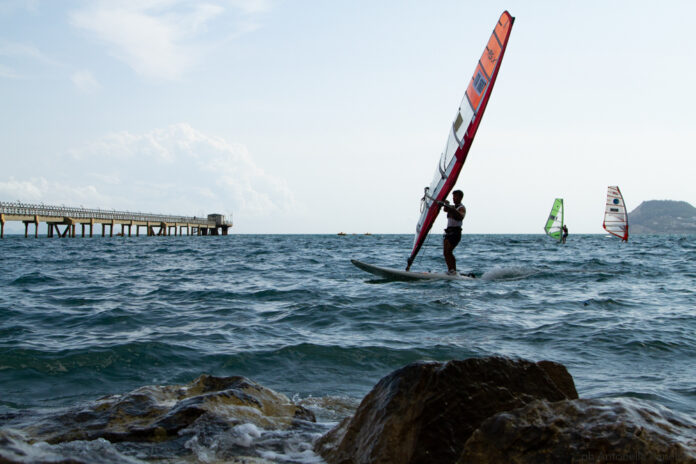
[(326, 117)]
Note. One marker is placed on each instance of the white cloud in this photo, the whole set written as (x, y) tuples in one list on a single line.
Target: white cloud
[(24, 191), (8, 72), (85, 81), (42, 190), (26, 51), (173, 170), (251, 6), (26, 61), (147, 44), (159, 39), (180, 170), (9, 6), (19, 58)]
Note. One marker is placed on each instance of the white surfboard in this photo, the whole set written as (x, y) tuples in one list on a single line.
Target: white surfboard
[(398, 274)]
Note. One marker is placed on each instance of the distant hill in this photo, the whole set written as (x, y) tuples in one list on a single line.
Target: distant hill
[(663, 217)]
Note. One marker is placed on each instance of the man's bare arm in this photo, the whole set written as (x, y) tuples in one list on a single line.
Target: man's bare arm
[(459, 213)]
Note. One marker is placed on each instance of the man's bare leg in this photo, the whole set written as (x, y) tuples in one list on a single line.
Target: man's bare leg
[(449, 256)]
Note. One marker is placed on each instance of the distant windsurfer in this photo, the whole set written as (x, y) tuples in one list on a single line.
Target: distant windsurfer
[(453, 232), (565, 233)]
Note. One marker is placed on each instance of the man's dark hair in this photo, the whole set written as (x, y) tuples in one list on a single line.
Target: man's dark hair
[(458, 192)]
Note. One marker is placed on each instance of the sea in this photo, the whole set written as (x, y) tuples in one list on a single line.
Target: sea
[(81, 318)]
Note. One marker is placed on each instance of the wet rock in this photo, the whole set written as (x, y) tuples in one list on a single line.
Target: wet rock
[(15, 448), (159, 413), (425, 412), (584, 431), (561, 377)]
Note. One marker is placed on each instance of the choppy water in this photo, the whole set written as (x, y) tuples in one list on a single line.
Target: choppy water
[(81, 318)]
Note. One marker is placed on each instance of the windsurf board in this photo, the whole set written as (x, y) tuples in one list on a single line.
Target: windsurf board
[(398, 274)]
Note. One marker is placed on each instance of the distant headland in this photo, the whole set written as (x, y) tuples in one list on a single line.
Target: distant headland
[(663, 217)]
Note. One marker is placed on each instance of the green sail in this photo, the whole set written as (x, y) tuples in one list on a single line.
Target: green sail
[(555, 221)]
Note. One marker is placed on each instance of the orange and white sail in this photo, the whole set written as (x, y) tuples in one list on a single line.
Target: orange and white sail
[(463, 129), (615, 216)]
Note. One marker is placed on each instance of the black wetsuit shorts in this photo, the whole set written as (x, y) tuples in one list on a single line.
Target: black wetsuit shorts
[(453, 235)]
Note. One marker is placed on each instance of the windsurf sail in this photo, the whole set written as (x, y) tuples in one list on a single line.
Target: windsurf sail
[(615, 217), (554, 223), (464, 127)]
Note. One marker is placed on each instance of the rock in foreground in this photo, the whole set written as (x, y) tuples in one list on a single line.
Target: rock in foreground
[(425, 412), (159, 413), (212, 419), (583, 431)]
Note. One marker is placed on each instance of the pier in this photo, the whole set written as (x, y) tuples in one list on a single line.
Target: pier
[(68, 218)]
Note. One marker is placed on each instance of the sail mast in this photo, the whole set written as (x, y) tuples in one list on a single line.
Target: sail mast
[(463, 130)]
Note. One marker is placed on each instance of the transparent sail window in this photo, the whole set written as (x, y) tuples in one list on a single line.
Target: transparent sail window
[(462, 120)]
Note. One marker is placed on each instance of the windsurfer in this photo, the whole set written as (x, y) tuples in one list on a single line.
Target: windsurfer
[(565, 233), (453, 232)]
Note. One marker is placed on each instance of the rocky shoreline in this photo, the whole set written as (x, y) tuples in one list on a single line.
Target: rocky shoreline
[(495, 410), (479, 410)]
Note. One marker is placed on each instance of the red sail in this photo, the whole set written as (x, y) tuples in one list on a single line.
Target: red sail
[(463, 130)]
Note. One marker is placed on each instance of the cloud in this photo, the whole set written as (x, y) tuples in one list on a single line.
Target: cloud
[(26, 61), (252, 6), (172, 170), (8, 73), (179, 170), (9, 6), (42, 190), (161, 39), (85, 81), (23, 56), (24, 191), (24, 51)]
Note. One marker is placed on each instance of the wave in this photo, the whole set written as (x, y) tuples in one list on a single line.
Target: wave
[(606, 303), (33, 278), (16, 448), (83, 317), (509, 273)]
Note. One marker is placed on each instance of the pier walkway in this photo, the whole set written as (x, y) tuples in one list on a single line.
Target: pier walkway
[(56, 217)]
